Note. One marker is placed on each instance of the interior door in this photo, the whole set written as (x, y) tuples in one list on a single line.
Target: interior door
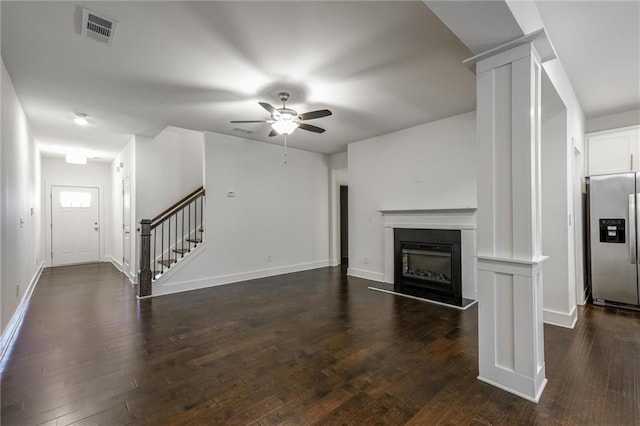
[(75, 225), (126, 224)]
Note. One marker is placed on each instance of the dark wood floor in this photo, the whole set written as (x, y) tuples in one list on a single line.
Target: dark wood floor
[(302, 348)]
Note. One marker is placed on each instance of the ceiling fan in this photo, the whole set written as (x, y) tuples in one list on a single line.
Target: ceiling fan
[(285, 120)]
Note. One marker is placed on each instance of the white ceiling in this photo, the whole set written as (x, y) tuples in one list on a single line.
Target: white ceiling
[(598, 43), (379, 66)]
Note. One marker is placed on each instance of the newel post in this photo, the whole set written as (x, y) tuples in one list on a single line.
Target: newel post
[(144, 276)]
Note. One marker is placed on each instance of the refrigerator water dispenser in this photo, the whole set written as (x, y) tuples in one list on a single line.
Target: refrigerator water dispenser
[(612, 231)]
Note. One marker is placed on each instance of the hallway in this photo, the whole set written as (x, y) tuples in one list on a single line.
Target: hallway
[(303, 348)]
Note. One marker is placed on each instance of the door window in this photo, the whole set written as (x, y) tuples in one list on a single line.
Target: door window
[(75, 199)]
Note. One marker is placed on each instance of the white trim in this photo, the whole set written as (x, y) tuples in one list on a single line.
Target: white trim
[(614, 130), (520, 394), (462, 209), (460, 308), (115, 263), (119, 267), (160, 288), (16, 319), (495, 56), (509, 261), (421, 225), (561, 319), (367, 275)]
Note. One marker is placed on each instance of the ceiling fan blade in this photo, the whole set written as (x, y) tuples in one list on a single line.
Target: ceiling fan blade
[(248, 121), (315, 114), (273, 133), (310, 127), (268, 107)]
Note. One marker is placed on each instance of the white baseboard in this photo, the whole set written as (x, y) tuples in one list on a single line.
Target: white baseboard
[(120, 268), (160, 288), (115, 263), (561, 319), (16, 319), (367, 275)]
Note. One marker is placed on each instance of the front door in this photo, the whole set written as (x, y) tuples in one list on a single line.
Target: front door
[(75, 225)]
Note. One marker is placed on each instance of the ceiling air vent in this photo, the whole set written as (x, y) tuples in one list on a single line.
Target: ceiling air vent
[(97, 27)]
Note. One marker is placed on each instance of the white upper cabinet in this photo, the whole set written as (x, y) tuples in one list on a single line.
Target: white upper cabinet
[(614, 151)]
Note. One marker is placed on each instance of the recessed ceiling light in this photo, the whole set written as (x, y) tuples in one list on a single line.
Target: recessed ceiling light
[(81, 119)]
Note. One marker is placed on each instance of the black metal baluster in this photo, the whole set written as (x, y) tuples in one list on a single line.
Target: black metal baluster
[(189, 230), (162, 249), (153, 261), (175, 241), (182, 231), (201, 215)]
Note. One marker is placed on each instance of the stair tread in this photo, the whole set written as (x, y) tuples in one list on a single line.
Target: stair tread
[(166, 262), (181, 250), (194, 240)]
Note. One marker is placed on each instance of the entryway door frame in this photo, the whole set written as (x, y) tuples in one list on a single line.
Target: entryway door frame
[(48, 219), (339, 177)]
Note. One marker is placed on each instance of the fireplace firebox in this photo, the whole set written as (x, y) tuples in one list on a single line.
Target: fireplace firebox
[(427, 264)]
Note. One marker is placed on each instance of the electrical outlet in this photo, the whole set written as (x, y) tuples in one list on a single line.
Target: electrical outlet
[(231, 194), (418, 178), (18, 290), (269, 258), (366, 260)]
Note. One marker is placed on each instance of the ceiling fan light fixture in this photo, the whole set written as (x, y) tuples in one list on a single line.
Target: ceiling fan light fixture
[(81, 119), (284, 127)]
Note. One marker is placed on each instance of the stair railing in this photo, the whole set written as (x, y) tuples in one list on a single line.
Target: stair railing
[(166, 238)]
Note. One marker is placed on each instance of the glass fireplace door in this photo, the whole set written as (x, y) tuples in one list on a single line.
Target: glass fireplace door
[(427, 262)]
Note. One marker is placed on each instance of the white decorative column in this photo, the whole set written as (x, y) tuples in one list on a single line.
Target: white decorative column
[(510, 327)]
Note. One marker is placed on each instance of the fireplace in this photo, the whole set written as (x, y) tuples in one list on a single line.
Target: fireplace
[(427, 264)]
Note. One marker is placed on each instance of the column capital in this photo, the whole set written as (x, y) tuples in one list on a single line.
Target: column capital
[(520, 47)]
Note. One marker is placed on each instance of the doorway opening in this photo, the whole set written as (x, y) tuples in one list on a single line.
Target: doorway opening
[(344, 226), (126, 225)]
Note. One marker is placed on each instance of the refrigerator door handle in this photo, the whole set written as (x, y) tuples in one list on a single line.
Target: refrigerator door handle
[(632, 227)]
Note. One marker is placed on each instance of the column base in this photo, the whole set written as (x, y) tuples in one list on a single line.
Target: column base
[(510, 327), (524, 387)]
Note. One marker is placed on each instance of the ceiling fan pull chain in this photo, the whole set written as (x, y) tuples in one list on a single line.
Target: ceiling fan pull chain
[(285, 148)]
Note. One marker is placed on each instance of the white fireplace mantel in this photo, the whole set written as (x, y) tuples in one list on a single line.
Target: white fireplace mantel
[(454, 218)]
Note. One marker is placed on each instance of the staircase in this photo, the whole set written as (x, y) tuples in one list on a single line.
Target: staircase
[(169, 237)]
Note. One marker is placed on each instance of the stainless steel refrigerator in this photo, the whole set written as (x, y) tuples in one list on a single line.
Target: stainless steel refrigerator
[(614, 208)]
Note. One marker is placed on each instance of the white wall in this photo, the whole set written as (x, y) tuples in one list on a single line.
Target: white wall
[(613, 121), (56, 171), (428, 166), (558, 292), (278, 221), (169, 167), (123, 166), (20, 192)]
